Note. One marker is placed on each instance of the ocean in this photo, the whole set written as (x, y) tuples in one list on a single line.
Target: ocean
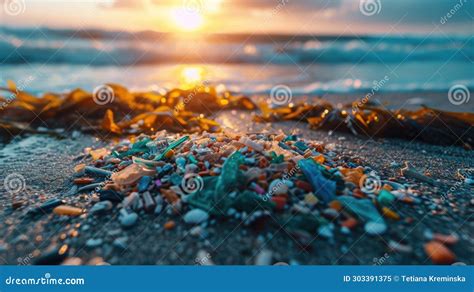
[(43, 60)]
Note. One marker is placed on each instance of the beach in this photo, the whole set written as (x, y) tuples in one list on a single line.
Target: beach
[(229, 242)]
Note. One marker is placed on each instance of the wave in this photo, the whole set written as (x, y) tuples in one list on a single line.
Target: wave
[(97, 47), (350, 86)]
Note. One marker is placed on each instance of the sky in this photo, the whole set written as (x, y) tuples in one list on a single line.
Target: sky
[(243, 16)]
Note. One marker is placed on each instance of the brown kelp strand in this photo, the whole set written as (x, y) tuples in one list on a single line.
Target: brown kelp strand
[(425, 124), (114, 109)]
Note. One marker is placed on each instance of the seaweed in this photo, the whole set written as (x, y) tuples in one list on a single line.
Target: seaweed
[(425, 124)]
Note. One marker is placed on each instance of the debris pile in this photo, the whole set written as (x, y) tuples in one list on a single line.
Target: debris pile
[(261, 180)]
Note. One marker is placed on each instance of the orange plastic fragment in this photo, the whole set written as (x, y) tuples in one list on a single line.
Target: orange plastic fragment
[(336, 205), (169, 225), (67, 210), (439, 253), (390, 214), (353, 174)]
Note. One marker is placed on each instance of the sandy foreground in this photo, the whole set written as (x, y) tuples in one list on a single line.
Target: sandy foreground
[(47, 166)]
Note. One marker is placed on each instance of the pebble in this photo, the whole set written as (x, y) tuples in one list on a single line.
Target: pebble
[(326, 231), (375, 228), (94, 242), (195, 231), (127, 219), (196, 216), (345, 230), (101, 207), (264, 258), (398, 247), (73, 261), (121, 242)]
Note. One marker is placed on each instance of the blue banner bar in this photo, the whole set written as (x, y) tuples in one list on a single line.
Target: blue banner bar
[(237, 278)]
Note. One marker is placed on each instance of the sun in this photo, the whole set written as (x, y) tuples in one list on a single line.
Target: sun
[(191, 76), (187, 20)]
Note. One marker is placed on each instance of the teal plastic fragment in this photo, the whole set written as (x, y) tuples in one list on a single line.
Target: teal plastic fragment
[(324, 188), (138, 147), (385, 198), (301, 145), (172, 146), (231, 176), (192, 159), (363, 208), (221, 193), (277, 158), (307, 222)]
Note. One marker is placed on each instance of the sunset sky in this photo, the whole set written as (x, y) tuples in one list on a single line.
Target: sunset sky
[(242, 16)]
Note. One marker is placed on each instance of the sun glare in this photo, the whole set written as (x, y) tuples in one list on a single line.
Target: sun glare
[(187, 20), (191, 76)]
